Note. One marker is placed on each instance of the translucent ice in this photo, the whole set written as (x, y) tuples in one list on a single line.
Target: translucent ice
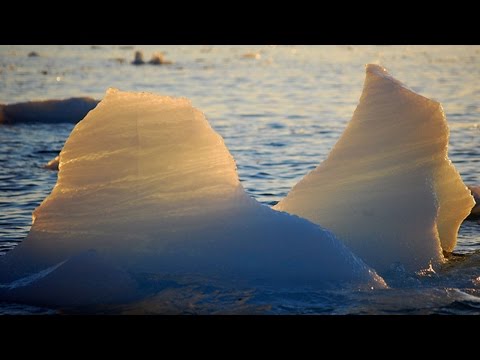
[(146, 183), (387, 188)]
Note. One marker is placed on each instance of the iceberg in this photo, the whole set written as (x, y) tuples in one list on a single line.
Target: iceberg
[(49, 111), (387, 188), (147, 185)]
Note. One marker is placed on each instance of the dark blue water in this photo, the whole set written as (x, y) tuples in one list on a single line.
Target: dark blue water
[(280, 111)]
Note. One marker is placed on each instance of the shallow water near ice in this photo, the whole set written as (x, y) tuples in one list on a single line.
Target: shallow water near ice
[(280, 113)]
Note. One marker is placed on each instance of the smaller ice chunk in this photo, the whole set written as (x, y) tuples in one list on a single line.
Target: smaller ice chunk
[(159, 59), (475, 190), (138, 58), (53, 164), (387, 188)]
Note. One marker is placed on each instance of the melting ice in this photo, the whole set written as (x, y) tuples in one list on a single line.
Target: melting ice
[(146, 186), (387, 188)]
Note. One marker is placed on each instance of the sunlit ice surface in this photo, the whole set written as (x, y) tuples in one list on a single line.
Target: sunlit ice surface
[(145, 185), (277, 127), (387, 188)]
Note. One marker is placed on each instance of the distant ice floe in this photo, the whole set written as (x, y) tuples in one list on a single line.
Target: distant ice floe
[(138, 58), (49, 111), (147, 186), (158, 58), (252, 55), (387, 188)]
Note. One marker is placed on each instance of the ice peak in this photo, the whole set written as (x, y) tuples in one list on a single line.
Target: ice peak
[(375, 68), (378, 72), (387, 188)]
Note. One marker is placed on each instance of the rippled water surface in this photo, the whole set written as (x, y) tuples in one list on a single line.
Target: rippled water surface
[(280, 110)]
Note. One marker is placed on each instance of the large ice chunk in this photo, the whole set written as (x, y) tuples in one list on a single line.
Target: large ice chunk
[(387, 188), (146, 183)]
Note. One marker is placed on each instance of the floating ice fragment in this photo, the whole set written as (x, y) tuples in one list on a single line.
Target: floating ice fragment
[(475, 190), (387, 188), (53, 164), (146, 183)]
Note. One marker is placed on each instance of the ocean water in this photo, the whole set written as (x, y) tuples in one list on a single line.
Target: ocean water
[(280, 110)]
